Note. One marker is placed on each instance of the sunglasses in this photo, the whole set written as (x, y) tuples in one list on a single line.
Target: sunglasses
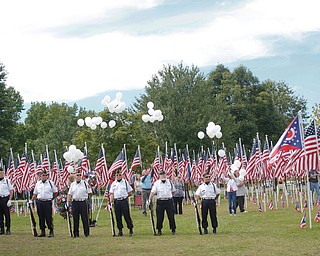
[(78, 175), (208, 177)]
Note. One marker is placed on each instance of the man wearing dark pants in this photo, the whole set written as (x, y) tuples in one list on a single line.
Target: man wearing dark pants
[(45, 191), (6, 194), (120, 190), (146, 181), (163, 189), (208, 192), (79, 191)]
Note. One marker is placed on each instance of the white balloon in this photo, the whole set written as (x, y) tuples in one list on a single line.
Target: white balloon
[(242, 172), (217, 128), (118, 109), (80, 122), (221, 153), (210, 134), (122, 106), (237, 163), (145, 118), (93, 120), (79, 154), (103, 125), (67, 156), (211, 124), (200, 135), (93, 126), (70, 169), (218, 135), (106, 99), (160, 118), (88, 121), (112, 123), (99, 120), (118, 95), (241, 178), (152, 119), (157, 113), (72, 148), (150, 104), (151, 111), (233, 167)]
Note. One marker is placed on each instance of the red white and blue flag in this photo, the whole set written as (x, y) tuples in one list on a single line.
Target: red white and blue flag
[(303, 221)]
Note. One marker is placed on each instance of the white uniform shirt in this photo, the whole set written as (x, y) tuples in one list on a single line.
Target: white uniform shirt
[(45, 190), (5, 187), (79, 190), (120, 189), (163, 190), (208, 191)]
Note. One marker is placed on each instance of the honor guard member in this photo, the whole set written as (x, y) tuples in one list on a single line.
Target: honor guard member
[(208, 192), (80, 192), (44, 192), (163, 189), (120, 190), (6, 194)]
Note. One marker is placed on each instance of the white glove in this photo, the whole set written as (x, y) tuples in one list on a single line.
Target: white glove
[(148, 202), (30, 202), (110, 206), (194, 203), (9, 203)]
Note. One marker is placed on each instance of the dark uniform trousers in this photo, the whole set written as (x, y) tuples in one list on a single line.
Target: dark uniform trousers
[(209, 205), (165, 205), (44, 209), (121, 207), (4, 210), (80, 208)]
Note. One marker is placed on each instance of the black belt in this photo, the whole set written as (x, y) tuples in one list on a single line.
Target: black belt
[(79, 200), (165, 198), (120, 198), (45, 200), (208, 198), (4, 196), (146, 189)]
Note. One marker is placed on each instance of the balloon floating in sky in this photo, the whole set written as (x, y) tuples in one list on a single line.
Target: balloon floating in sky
[(153, 115), (94, 122), (116, 105)]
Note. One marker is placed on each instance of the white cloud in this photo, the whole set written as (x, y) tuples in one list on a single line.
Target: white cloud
[(45, 68)]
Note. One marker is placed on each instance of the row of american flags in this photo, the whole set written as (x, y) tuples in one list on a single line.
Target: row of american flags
[(296, 152)]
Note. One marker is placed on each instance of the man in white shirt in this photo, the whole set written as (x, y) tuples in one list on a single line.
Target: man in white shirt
[(79, 191), (6, 194), (120, 190), (44, 192), (208, 192), (163, 189)]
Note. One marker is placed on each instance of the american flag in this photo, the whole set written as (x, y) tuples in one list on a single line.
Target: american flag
[(297, 207), (64, 175), (303, 221), (156, 167), (117, 164), (32, 171), (53, 174), (252, 160), (317, 218), (124, 165), (260, 208), (101, 170), (21, 169), (85, 164), (136, 162), (270, 206), (11, 169), (45, 161)]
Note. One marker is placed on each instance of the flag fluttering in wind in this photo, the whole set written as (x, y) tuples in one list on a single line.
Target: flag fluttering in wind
[(270, 206), (297, 207), (303, 221), (317, 218)]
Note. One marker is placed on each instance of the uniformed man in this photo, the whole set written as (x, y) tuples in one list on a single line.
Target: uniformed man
[(44, 192), (79, 192), (120, 190), (208, 192), (163, 189), (6, 194)]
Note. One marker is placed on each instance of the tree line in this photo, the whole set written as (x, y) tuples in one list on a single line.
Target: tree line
[(235, 99)]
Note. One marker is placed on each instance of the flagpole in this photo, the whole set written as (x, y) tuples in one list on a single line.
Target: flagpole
[(307, 174)]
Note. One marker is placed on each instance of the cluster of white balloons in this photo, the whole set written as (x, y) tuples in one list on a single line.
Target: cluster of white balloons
[(116, 105), (211, 130), (154, 115), (95, 121), (72, 155), (235, 166)]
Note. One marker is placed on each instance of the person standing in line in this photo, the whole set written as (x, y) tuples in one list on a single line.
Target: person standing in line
[(231, 193), (178, 195), (314, 184), (208, 192), (163, 189), (6, 194), (120, 190), (146, 184), (241, 191), (44, 192), (79, 192)]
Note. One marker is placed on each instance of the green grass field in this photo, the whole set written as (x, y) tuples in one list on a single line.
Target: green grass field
[(275, 232)]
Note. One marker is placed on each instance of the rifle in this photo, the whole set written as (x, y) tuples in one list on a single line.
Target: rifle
[(32, 221), (198, 221), (112, 221), (151, 219), (69, 221)]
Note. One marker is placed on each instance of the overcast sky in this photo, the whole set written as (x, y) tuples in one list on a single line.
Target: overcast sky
[(69, 50)]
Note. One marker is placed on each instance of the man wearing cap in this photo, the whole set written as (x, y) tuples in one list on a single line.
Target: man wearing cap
[(120, 190), (6, 194), (79, 191), (208, 192), (44, 192), (163, 189)]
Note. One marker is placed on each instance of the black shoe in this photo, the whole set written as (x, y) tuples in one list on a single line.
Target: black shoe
[(1, 231), (8, 231), (42, 235), (75, 236), (205, 231), (159, 233), (51, 234), (86, 235), (214, 231), (131, 232), (173, 232), (120, 233)]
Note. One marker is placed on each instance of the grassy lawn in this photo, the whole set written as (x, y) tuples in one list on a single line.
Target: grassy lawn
[(275, 232)]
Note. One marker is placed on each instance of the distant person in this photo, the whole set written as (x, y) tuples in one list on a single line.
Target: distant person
[(137, 185), (314, 184), (178, 194), (231, 193), (241, 191), (6, 194), (146, 184)]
